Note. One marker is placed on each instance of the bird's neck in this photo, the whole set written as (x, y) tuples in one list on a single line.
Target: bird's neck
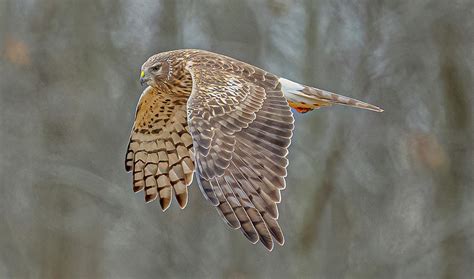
[(180, 82)]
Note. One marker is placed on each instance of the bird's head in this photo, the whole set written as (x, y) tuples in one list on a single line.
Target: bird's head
[(156, 70)]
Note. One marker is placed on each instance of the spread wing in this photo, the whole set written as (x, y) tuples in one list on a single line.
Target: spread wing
[(241, 126), (160, 149)]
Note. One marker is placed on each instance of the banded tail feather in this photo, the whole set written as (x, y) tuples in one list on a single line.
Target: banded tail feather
[(304, 98)]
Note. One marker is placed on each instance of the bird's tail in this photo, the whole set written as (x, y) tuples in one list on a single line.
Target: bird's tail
[(304, 98)]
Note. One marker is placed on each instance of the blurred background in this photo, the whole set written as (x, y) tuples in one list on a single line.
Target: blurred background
[(369, 195)]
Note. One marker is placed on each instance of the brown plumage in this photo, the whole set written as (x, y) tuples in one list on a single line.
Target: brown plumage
[(228, 121)]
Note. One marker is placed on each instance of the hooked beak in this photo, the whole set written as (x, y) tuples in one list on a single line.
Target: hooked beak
[(143, 80)]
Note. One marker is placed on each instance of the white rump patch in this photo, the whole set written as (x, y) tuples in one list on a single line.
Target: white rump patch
[(288, 86), (292, 91)]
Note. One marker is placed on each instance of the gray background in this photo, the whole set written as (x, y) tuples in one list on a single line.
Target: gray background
[(369, 195)]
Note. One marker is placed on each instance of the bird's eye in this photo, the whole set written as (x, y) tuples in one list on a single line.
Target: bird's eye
[(156, 68)]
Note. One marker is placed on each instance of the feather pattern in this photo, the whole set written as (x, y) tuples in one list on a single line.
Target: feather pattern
[(241, 147), (160, 148)]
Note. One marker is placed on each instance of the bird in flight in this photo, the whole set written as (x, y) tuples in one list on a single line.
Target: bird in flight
[(227, 121)]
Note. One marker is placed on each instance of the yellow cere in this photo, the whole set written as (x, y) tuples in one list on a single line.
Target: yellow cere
[(142, 74)]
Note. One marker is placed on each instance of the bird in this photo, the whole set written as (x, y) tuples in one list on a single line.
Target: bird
[(227, 122)]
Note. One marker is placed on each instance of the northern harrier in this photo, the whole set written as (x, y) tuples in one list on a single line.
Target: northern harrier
[(228, 121)]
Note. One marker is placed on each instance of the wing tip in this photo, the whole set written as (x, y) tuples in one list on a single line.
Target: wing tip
[(137, 189), (165, 203), (150, 198), (268, 245), (280, 240), (182, 200)]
